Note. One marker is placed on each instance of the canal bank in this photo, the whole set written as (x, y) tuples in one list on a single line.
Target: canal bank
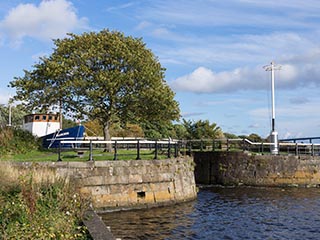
[(117, 185), (244, 168)]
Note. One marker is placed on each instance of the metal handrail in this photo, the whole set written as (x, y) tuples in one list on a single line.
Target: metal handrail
[(171, 145), (189, 146)]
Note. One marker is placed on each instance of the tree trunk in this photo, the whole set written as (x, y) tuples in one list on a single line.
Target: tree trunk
[(60, 113), (107, 137)]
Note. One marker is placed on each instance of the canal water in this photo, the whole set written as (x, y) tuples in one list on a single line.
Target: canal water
[(227, 213)]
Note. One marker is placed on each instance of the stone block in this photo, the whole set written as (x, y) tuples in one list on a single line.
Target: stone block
[(93, 181), (162, 196), (81, 165), (135, 178)]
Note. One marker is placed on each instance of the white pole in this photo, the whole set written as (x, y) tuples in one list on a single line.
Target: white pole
[(272, 95), (273, 135)]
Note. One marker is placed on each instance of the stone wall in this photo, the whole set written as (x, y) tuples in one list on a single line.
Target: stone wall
[(122, 184), (240, 168)]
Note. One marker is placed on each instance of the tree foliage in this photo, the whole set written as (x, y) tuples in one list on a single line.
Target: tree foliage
[(201, 129), (179, 132), (17, 114), (254, 137), (15, 140), (230, 135), (104, 76), (130, 130)]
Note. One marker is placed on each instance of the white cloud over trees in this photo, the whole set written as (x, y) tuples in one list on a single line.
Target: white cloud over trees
[(50, 19)]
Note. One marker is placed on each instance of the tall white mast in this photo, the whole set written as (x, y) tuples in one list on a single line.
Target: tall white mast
[(274, 134)]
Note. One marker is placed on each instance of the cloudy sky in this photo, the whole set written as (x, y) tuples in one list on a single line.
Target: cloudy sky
[(214, 52)]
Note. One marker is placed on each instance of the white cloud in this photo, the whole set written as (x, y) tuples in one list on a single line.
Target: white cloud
[(273, 30), (311, 6), (237, 50), (254, 126), (291, 121), (293, 74), (50, 19), (204, 80), (121, 6), (297, 112), (143, 25), (259, 14), (191, 114)]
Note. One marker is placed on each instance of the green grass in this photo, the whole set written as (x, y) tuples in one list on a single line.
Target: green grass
[(31, 156), (72, 155), (29, 210), (100, 155)]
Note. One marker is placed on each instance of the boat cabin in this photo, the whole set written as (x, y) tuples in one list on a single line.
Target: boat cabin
[(42, 124)]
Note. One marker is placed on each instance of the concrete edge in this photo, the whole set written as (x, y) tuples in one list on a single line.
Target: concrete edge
[(96, 227), (142, 207)]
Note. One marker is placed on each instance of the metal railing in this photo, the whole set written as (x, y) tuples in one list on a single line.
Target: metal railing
[(158, 147), (247, 145), (174, 148)]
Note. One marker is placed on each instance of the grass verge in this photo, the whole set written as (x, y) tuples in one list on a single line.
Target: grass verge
[(73, 155), (30, 210)]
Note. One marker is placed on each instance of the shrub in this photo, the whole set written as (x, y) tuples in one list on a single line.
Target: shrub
[(17, 140), (41, 211)]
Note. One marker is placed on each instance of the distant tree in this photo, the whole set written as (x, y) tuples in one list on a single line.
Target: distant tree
[(179, 131), (67, 123), (156, 130), (93, 128), (202, 129), (253, 137), (256, 138), (242, 136), (130, 130), (17, 114), (230, 135), (102, 76)]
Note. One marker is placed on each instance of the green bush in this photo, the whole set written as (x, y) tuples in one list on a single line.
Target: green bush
[(47, 211), (17, 140)]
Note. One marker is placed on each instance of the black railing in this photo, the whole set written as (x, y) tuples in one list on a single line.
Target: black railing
[(173, 148), (121, 148), (246, 145)]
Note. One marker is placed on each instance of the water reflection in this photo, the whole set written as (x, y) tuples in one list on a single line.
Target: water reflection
[(155, 223), (227, 213)]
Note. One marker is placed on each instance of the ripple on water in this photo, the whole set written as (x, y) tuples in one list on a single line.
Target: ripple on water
[(227, 213)]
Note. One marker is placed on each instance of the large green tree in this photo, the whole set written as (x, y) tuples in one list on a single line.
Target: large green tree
[(103, 75)]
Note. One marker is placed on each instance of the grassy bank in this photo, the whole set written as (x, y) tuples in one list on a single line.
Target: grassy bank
[(17, 141), (30, 207), (73, 155), (19, 145), (30, 210)]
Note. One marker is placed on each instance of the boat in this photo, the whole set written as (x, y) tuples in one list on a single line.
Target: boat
[(47, 127)]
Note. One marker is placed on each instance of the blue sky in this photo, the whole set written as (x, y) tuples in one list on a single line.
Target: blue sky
[(214, 52)]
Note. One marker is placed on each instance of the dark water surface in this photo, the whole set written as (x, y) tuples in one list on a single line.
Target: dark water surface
[(227, 213)]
